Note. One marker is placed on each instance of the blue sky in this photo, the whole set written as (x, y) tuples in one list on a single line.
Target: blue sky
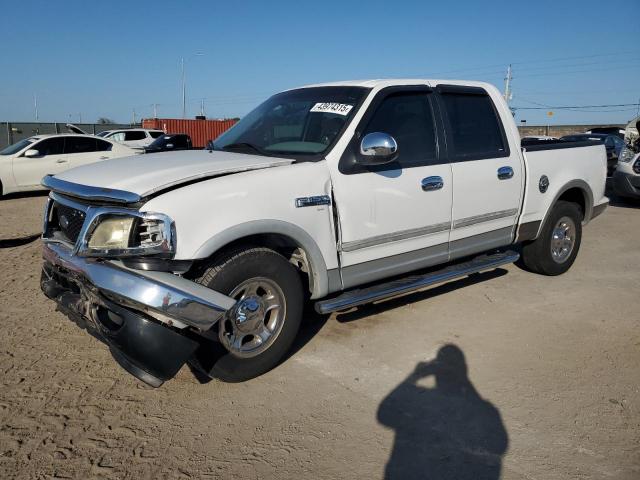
[(107, 58)]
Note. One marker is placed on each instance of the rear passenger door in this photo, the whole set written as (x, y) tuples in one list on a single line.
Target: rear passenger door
[(136, 138), (487, 173), (83, 150)]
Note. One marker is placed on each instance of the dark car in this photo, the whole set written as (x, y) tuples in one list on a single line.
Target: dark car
[(617, 131), (612, 143), (170, 142)]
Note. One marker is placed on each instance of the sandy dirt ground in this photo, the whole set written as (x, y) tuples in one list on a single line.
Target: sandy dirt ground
[(503, 375)]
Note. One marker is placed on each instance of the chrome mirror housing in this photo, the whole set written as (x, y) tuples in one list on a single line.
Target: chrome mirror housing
[(378, 148)]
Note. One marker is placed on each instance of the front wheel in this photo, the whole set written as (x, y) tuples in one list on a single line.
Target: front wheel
[(260, 329), (555, 250)]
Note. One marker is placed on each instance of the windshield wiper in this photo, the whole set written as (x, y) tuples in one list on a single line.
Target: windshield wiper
[(246, 146)]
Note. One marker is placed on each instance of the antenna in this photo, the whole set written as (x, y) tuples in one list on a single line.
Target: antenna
[(508, 94)]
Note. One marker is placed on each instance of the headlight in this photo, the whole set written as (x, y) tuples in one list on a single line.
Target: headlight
[(626, 155), (111, 233), (125, 233)]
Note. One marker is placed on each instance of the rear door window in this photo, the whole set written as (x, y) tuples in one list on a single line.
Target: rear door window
[(180, 142), (74, 145), (474, 130), (155, 134), (102, 146), (135, 135)]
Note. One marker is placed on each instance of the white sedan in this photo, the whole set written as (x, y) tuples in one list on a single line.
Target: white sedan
[(23, 164)]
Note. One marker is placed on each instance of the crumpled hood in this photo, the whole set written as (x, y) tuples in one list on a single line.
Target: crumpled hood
[(149, 173)]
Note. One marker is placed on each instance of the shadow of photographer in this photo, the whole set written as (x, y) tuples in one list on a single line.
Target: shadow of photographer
[(445, 431)]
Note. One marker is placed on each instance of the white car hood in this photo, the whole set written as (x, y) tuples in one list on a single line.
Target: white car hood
[(149, 173)]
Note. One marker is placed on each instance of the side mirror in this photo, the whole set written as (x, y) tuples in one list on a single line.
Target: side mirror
[(32, 152), (377, 148)]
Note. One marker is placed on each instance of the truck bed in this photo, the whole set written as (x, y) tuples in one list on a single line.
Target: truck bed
[(559, 161)]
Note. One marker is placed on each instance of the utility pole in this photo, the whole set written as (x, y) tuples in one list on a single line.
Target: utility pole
[(202, 107), (184, 83), (155, 110), (508, 94), (79, 117), (35, 104), (134, 117), (184, 91)]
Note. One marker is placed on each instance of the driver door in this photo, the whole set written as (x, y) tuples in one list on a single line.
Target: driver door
[(29, 171), (396, 217)]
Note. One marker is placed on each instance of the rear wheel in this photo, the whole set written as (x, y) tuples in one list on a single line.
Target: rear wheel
[(260, 329), (555, 250)]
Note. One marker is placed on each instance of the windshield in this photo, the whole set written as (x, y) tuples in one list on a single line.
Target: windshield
[(299, 122), (16, 147), (160, 141)]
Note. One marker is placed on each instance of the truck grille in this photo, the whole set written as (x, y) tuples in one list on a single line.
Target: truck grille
[(69, 221)]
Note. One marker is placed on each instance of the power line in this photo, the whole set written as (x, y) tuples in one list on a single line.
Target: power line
[(577, 107), (554, 74), (526, 62)]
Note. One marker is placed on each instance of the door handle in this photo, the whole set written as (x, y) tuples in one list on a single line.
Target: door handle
[(104, 158), (432, 183), (505, 173), (61, 160)]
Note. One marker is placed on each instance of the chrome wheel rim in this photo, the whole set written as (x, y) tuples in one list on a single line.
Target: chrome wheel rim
[(563, 239), (255, 321)]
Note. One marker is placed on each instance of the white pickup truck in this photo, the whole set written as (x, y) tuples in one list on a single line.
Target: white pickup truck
[(342, 194)]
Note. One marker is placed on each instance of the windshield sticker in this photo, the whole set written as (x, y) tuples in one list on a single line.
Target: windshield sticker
[(339, 108)]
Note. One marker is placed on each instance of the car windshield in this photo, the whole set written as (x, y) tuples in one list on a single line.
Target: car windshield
[(302, 122), (160, 141), (16, 147)]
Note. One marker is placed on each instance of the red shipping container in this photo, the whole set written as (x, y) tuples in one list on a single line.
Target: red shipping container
[(200, 131)]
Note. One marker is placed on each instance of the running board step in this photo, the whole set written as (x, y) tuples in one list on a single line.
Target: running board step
[(381, 291)]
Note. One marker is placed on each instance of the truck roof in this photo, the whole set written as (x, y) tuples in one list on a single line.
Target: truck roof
[(389, 82)]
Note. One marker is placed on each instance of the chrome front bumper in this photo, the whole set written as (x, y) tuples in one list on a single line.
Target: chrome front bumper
[(170, 299), (152, 322)]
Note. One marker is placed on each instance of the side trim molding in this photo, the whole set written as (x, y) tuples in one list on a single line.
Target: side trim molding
[(485, 217), (385, 267), (395, 236)]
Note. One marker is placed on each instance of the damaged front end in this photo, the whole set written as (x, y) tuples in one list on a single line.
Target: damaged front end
[(152, 321)]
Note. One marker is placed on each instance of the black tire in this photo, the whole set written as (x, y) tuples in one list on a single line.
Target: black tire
[(537, 257), (224, 274)]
